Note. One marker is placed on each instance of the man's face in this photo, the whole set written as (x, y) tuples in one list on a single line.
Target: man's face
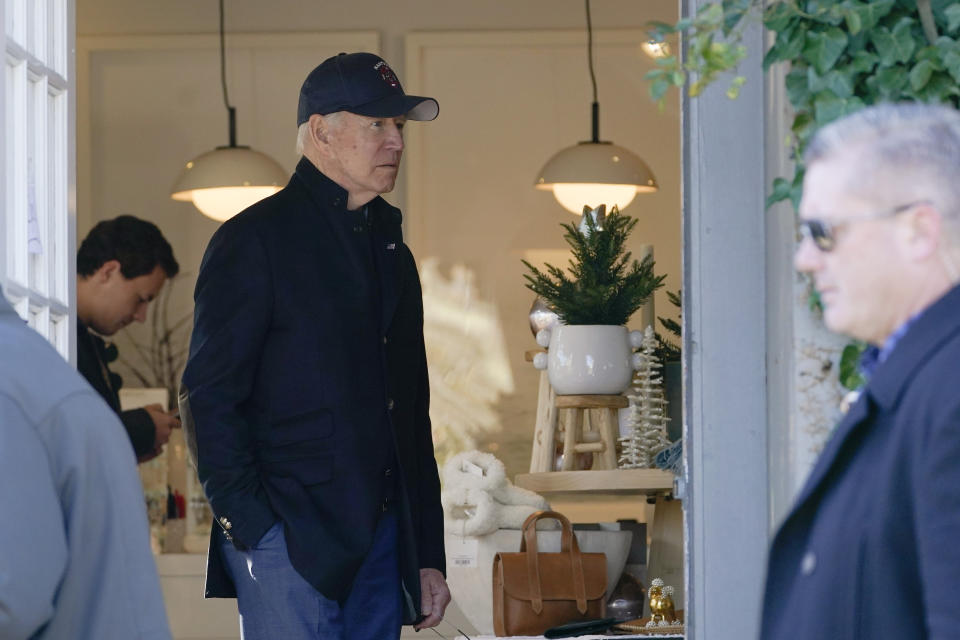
[(119, 300), (364, 154), (857, 279)]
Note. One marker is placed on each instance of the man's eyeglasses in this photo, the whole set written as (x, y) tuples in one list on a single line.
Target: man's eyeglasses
[(823, 232)]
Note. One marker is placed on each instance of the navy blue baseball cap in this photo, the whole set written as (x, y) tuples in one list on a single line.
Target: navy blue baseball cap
[(361, 83)]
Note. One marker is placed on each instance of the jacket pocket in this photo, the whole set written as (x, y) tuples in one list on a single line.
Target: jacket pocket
[(303, 467), (301, 427)]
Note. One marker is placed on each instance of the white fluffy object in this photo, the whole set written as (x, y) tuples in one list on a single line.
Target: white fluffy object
[(478, 498)]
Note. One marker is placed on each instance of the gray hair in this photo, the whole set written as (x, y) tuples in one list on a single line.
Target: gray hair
[(303, 131), (908, 151)]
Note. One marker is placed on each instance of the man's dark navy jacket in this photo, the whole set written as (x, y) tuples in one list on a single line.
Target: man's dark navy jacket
[(871, 550), (308, 385)]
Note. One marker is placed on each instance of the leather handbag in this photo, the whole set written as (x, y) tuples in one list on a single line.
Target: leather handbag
[(534, 591)]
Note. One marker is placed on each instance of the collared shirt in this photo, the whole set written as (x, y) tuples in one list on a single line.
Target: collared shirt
[(75, 557), (874, 356)]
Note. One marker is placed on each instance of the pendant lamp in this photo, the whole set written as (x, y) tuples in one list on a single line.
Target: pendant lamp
[(595, 172), (223, 182)]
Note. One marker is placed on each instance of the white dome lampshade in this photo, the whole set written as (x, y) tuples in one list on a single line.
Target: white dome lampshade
[(223, 182), (595, 173)]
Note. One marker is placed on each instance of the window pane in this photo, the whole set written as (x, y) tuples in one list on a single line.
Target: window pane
[(57, 46), (36, 252), (15, 20), (36, 211), (16, 168), (39, 28), (57, 250)]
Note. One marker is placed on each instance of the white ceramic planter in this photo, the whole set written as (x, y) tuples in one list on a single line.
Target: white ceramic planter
[(588, 359)]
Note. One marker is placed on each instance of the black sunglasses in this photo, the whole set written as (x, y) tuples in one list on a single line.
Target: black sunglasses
[(823, 232)]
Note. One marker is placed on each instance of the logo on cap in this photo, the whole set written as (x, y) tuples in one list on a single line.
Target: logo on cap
[(387, 74)]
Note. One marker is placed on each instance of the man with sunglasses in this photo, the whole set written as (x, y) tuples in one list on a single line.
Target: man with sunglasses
[(870, 548)]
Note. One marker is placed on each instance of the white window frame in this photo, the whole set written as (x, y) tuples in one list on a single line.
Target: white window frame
[(37, 162)]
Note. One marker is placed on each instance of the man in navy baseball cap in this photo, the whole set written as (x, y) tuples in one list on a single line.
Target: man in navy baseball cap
[(350, 116), (361, 83), (307, 384)]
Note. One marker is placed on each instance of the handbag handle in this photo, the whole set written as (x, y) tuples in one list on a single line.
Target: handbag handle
[(568, 544)]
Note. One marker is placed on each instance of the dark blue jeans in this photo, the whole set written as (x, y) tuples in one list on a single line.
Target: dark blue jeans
[(276, 602)]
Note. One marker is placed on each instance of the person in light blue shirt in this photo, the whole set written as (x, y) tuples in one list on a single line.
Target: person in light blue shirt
[(75, 559)]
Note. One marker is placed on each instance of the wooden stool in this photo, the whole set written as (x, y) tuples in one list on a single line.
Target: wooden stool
[(600, 440)]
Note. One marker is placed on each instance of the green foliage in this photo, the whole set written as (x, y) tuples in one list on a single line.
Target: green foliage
[(604, 286), (843, 55), (669, 346), (850, 376), (714, 36)]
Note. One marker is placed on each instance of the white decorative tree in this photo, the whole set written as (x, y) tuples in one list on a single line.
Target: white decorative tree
[(648, 411)]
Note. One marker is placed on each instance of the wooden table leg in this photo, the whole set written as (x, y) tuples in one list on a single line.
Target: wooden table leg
[(570, 439), (609, 429), (544, 435)]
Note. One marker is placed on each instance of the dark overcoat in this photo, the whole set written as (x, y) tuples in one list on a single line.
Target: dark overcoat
[(92, 365), (307, 382), (871, 549)]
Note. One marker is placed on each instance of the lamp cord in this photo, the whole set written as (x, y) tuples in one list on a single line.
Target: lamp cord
[(595, 106), (231, 111), (593, 77)]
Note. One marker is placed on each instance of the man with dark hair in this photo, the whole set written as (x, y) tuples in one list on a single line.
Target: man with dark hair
[(121, 266), (308, 387)]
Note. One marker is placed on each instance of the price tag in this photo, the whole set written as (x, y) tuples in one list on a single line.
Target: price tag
[(463, 555)]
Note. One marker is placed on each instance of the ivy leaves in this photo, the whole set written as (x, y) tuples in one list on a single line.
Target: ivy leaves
[(714, 36), (822, 48), (847, 54), (842, 55), (896, 44)]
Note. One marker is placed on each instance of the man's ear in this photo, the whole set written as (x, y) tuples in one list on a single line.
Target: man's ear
[(318, 128), (107, 270), (923, 232)]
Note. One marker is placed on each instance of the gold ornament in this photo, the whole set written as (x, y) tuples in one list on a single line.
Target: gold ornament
[(661, 604)]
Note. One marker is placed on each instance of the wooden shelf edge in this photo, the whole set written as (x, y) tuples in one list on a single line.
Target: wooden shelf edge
[(648, 481)]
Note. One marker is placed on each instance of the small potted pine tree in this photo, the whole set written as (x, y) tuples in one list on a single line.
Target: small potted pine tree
[(590, 352)]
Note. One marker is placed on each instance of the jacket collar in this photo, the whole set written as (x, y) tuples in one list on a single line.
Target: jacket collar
[(328, 194), (936, 324), (926, 334), (384, 217)]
